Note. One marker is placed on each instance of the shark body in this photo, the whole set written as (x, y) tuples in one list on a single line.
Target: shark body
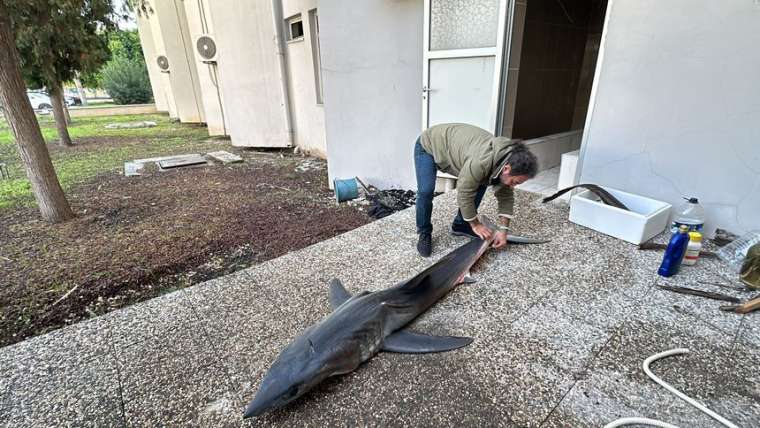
[(362, 325)]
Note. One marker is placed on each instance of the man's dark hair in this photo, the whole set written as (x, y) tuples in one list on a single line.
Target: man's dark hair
[(522, 161)]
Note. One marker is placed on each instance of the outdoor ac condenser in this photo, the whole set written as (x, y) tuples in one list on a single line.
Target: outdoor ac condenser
[(163, 63), (205, 46)]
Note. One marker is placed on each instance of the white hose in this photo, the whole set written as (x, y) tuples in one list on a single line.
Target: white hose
[(680, 394), (639, 421)]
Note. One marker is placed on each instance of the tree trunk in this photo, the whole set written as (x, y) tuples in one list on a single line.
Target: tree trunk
[(80, 89), (31, 146), (59, 113), (66, 112)]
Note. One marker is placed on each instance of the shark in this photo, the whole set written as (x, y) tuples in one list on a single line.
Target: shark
[(362, 325)]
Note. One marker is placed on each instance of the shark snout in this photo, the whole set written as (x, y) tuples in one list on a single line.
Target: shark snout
[(257, 407), (273, 393)]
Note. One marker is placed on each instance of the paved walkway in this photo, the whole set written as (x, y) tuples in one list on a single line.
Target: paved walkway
[(560, 333)]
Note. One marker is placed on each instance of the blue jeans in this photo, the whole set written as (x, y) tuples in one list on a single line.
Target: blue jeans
[(425, 169)]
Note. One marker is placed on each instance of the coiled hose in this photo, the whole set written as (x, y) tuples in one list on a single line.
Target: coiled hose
[(681, 395)]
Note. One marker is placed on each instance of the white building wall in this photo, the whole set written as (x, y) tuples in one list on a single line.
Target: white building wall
[(199, 22), (308, 116), (149, 52), (249, 73), (163, 78), (372, 76), (676, 106), (169, 22)]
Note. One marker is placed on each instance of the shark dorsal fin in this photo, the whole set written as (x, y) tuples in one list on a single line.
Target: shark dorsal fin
[(338, 293)]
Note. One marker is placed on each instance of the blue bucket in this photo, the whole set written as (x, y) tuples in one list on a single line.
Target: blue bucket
[(345, 190)]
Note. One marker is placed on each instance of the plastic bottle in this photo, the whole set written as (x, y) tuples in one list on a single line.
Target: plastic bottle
[(735, 252), (693, 249), (691, 214), (671, 261)]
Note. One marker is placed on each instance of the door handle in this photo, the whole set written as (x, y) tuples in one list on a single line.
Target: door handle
[(426, 89)]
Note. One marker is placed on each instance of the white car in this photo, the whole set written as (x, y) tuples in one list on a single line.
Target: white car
[(41, 101)]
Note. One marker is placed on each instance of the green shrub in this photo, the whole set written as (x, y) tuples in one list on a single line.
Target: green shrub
[(126, 81)]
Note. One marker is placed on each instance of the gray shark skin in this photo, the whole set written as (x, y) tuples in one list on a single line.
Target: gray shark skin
[(360, 326)]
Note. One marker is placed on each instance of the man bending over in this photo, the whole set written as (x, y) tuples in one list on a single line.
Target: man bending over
[(478, 159)]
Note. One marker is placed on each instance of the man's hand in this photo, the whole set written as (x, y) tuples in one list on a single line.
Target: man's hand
[(481, 230), (501, 239)]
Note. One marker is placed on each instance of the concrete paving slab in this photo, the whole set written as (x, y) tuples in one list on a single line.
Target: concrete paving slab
[(70, 393), (667, 304), (617, 385), (174, 380), (749, 334), (156, 318), (560, 332), (545, 331), (224, 157), (530, 389), (79, 343), (181, 161)]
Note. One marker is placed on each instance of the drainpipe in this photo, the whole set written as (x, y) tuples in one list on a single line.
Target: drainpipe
[(282, 61)]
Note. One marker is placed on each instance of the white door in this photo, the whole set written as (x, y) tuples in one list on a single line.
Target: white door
[(463, 54)]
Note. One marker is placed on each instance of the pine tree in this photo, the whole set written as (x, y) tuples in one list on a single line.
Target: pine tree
[(31, 145), (57, 39)]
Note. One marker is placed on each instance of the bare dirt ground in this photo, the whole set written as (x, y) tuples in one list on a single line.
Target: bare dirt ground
[(138, 237)]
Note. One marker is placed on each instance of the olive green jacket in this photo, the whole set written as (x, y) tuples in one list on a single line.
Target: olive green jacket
[(475, 156)]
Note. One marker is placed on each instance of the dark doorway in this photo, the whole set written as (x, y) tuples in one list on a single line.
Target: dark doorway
[(555, 44)]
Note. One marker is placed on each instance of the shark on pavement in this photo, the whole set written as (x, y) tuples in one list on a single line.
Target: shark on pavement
[(364, 324)]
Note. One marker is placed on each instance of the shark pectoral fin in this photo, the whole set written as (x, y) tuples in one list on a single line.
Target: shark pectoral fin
[(338, 293), (407, 342)]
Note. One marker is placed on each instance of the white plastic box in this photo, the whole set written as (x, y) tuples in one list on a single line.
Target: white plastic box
[(567, 168), (646, 218)]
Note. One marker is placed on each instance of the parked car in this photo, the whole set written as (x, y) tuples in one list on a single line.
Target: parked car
[(72, 100), (72, 97), (39, 101)]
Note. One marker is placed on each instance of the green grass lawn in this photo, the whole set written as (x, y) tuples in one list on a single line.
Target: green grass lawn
[(98, 150)]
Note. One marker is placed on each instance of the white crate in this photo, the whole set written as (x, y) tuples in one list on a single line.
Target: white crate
[(646, 218)]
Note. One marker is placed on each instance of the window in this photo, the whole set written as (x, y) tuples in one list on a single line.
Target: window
[(315, 54), (295, 28)]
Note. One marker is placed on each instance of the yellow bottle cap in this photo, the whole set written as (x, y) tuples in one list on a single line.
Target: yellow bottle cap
[(695, 237)]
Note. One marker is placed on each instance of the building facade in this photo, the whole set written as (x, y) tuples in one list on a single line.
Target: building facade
[(659, 98)]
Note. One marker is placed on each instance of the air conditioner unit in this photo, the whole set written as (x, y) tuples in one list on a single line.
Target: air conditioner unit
[(163, 63), (205, 46)]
